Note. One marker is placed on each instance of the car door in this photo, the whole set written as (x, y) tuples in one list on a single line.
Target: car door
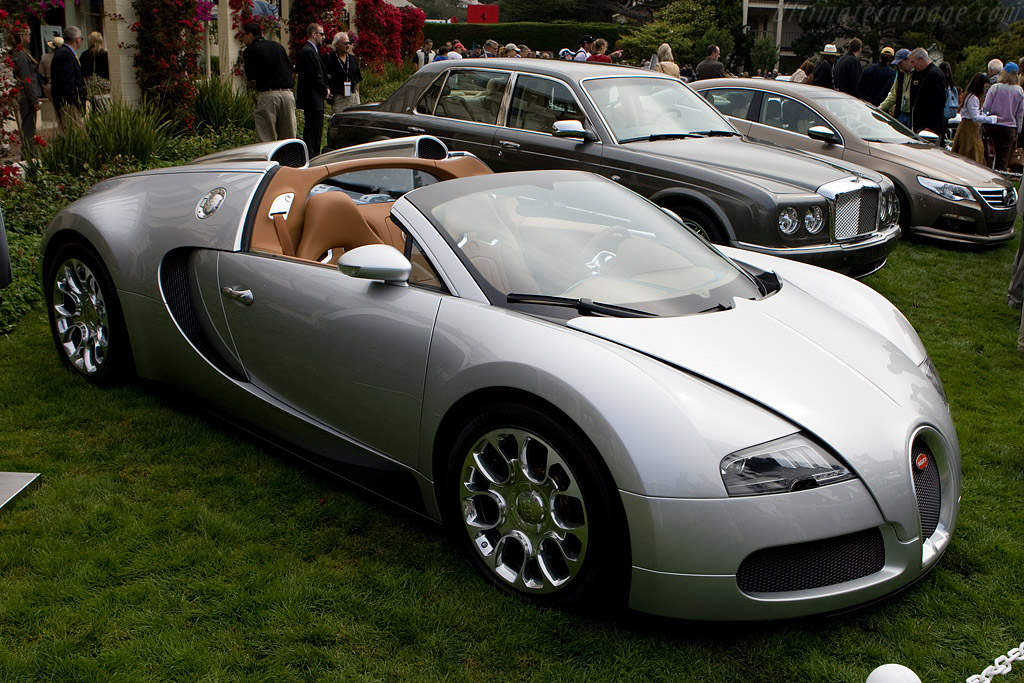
[(462, 109), (785, 121), (346, 352), (527, 142)]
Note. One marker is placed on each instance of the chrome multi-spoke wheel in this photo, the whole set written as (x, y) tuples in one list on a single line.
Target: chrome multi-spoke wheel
[(524, 510), (85, 314), (80, 316)]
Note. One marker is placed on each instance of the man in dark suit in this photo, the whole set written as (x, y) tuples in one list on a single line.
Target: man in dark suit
[(927, 94), (312, 88), (67, 86)]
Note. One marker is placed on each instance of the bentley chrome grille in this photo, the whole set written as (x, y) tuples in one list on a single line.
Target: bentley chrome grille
[(998, 197), (856, 213)]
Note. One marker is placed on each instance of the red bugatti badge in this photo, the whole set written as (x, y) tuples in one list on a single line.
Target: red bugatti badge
[(921, 461)]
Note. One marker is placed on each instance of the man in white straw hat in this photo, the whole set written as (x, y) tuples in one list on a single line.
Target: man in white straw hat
[(823, 71)]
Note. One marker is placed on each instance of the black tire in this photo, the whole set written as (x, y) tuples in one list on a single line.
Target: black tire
[(563, 489), (699, 222), (85, 315)]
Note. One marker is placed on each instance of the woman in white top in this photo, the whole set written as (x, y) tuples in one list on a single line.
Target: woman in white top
[(802, 74), (967, 141)]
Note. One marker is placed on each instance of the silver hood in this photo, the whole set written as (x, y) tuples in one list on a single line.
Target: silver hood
[(831, 375)]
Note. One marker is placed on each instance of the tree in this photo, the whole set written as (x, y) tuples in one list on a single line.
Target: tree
[(640, 11), (688, 26), (764, 55), (953, 25), (1007, 46)]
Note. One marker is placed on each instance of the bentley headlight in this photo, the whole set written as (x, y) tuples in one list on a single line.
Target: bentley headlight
[(951, 191), (789, 220), (814, 220), (792, 463)]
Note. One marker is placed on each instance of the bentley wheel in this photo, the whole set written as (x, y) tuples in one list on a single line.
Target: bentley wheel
[(699, 222), (538, 516), (85, 315)]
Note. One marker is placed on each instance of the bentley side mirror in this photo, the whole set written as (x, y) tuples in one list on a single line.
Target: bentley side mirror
[(376, 262), (929, 137), (570, 128), (823, 134)]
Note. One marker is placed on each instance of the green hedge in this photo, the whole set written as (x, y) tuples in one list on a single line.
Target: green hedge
[(546, 37)]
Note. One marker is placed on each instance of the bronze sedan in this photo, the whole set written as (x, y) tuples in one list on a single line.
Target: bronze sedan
[(942, 195)]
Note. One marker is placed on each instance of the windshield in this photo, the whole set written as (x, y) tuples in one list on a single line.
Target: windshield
[(637, 108), (575, 235), (866, 121)]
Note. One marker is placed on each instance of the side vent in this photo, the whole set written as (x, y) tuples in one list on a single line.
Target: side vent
[(292, 153), (285, 152), (174, 283)]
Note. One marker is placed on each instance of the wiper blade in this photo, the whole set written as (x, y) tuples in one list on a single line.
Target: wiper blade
[(661, 136), (717, 133), (584, 306)]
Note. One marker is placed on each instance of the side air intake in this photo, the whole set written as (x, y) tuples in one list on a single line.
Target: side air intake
[(285, 152)]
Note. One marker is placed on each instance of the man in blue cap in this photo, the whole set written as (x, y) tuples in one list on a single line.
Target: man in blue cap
[(897, 102)]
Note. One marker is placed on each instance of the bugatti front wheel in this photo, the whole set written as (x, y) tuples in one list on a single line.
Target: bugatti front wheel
[(536, 511), (85, 315)]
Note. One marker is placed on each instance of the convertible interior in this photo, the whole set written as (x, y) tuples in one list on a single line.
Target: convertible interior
[(295, 221)]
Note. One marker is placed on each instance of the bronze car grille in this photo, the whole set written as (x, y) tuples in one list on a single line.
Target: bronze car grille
[(856, 213), (927, 487), (805, 566), (997, 197)]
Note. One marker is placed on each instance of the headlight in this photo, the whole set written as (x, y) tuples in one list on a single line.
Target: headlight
[(789, 221), (951, 191), (928, 368), (814, 220), (792, 463)]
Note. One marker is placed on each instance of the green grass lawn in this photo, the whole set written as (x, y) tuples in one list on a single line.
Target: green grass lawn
[(162, 546)]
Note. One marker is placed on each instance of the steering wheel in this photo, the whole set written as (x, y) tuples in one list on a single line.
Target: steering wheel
[(600, 249)]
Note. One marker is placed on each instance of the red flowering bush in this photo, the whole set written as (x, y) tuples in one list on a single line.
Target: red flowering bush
[(9, 175), (328, 13), (413, 20), (381, 29), (10, 92), (167, 57)]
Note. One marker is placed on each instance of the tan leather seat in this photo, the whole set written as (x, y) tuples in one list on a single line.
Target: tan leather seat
[(333, 224)]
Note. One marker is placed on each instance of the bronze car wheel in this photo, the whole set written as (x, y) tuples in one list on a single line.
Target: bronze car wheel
[(85, 315), (534, 511)]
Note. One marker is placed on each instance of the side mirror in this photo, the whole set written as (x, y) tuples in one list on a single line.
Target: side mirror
[(929, 137), (376, 262), (570, 128), (824, 134)]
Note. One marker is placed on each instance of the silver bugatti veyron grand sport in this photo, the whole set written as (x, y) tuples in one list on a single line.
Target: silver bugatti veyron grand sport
[(604, 407)]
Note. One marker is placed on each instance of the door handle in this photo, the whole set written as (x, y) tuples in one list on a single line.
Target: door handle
[(241, 295), (414, 129), (508, 145)]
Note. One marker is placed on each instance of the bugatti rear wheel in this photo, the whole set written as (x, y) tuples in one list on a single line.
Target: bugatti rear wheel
[(85, 315), (535, 511)]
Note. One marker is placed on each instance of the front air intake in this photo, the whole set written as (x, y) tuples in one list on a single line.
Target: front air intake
[(927, 487), (816, 564)]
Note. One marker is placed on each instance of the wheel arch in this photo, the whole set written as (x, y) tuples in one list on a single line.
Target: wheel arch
[(466, 407), (685, 198)]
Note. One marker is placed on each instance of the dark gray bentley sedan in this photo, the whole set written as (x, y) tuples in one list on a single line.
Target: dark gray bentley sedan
[(652, 134)]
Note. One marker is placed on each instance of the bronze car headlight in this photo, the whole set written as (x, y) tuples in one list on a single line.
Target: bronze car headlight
[(814, 220), (789, 221), (792, 463), (951, 191)]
